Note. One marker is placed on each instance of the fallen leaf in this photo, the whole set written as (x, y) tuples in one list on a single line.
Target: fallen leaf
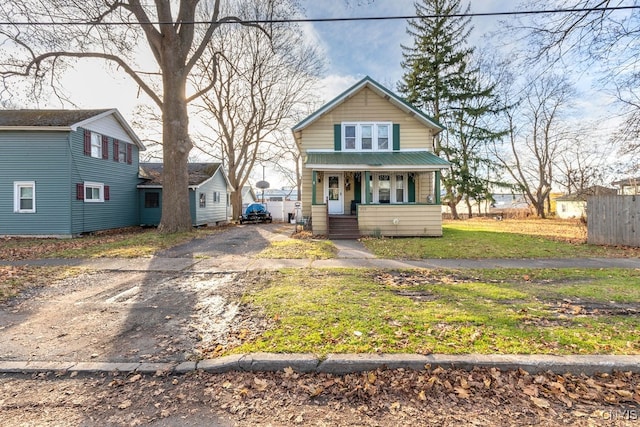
[(260, 384), (371, 377), (125, 404), (540, 403), (422, 395), (135, 378), (462, 393), (625, 393), (531, 390)]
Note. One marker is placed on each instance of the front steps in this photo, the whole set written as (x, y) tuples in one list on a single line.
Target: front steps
[(343, 227)]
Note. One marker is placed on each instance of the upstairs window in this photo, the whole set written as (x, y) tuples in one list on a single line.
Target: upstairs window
[(122, 152), (366, 137), (96, 145)]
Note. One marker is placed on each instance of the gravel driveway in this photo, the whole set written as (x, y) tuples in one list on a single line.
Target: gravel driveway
[(137, 316)]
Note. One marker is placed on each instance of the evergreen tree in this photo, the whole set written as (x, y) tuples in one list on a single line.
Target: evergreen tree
[(441, 77)]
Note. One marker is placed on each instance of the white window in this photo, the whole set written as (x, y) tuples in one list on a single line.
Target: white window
[(96, 145), (93, 192), (388, 188), (366, 137), (24, 196), (216, 197), (203, 200)]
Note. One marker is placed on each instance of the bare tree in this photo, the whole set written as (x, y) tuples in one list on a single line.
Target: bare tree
[(254, 91), (42, 40), (598, 38), (581, 163), (535, 138)]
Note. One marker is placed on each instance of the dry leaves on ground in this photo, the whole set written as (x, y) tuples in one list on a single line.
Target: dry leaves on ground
[(382, 397)]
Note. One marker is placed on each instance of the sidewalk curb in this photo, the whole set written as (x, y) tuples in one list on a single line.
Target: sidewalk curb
[(340, 364)]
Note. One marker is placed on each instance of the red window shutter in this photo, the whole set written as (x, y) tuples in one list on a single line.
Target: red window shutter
[(87, 142), (105, 147), (116, 147), (80, 191), (129, 151), (106, 192)]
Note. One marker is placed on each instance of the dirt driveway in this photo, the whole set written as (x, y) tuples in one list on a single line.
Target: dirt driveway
[(137, 316)]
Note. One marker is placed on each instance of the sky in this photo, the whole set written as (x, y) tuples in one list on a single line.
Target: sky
[(353, 50), (373, 48)]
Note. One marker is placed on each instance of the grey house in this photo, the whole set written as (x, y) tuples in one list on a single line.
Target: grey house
[(67, 172), (209, 194)]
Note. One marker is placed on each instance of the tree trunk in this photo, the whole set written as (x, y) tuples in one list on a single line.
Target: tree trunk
[(236, 203), (176, 212)]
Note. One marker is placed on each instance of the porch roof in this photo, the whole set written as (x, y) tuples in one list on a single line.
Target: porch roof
[(390, 160)]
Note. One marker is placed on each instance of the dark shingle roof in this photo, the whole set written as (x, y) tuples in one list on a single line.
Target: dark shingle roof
[(198, 172), (46, 117)]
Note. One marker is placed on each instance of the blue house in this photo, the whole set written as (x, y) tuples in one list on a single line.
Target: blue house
[(209, 194), (67, 172)]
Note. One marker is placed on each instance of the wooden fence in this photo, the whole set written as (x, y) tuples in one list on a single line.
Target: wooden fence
[(613, 220)]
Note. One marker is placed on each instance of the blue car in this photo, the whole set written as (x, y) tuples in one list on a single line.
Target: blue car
[(256, 212)]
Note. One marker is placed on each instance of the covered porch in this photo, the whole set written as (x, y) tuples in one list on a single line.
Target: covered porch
[(380, 202)]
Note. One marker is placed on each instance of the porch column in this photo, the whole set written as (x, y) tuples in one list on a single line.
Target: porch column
[(437, 186), (367, 187), (314, 177)]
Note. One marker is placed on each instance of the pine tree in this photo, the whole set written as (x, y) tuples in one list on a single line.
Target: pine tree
[(442, 79)]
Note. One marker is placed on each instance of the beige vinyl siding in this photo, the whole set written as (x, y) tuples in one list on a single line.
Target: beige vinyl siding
[(367, 106), (319, 222), (424, 187), (412, 220)]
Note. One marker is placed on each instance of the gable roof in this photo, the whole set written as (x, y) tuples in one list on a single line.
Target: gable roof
[(380, 90), (60, 120), (199, 173)]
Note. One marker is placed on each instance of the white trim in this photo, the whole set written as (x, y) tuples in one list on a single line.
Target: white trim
[(17, 185), (99, 186), (362, 168)]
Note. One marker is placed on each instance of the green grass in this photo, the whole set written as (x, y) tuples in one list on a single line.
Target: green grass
[(459, 240), (125, 244), (299, 249), (495, 311)]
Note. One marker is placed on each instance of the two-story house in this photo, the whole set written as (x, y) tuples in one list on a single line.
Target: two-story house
[(369, 166), (67, 172)]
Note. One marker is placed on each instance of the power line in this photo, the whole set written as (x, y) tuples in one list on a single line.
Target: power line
[(322, 20)]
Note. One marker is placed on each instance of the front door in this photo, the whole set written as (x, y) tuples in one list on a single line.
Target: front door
[(334, 194)]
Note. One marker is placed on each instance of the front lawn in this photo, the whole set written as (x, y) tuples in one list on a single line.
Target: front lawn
[(488, 238), (489, 311), (125, 243)]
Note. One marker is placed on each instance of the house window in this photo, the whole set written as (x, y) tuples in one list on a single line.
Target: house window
[(152, 199), (203, 200), (383, 137), (122, 152), (24, 199), (93, 192), (349, 137), (399, 186), (216, 197), (366, 137), (386, 188), (96, 145)]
